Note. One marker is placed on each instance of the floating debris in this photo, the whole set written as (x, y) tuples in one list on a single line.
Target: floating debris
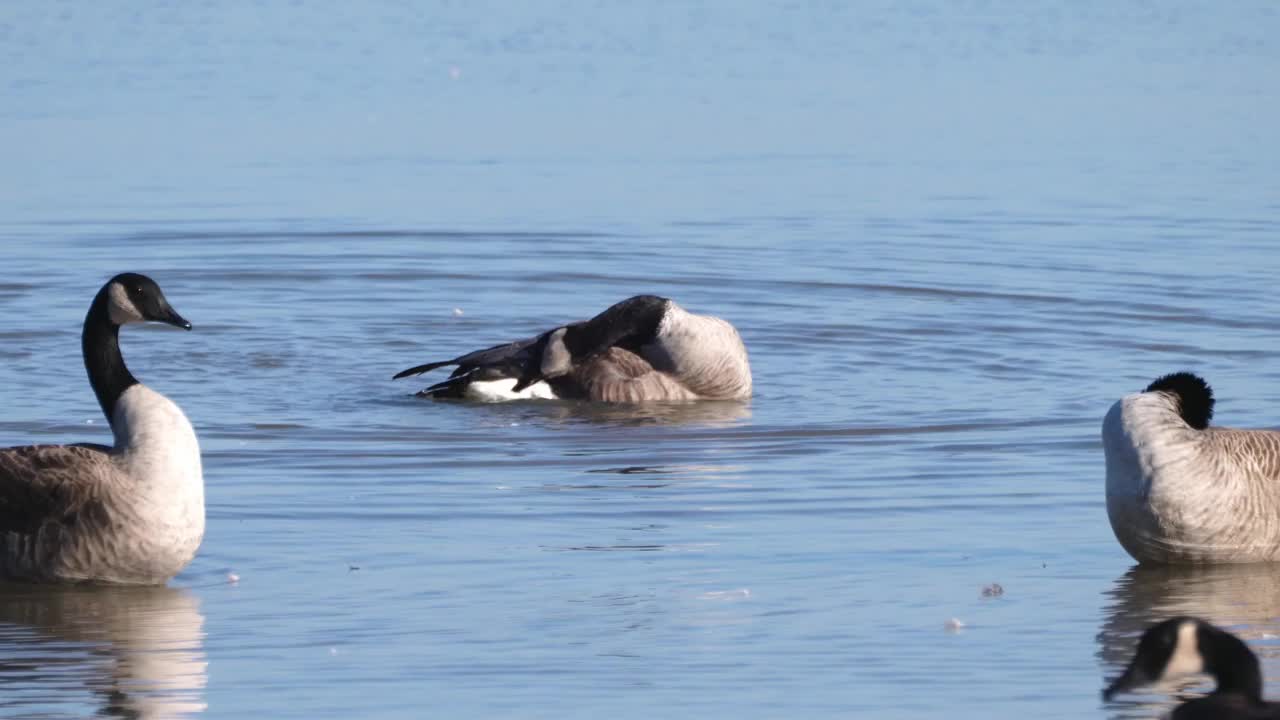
[(233, 579), (992, 590), (457, 312), (954, 625)]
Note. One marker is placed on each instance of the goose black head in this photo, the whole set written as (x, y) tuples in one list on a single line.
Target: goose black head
[(1186, 646), (1194, 396), (132, 297)]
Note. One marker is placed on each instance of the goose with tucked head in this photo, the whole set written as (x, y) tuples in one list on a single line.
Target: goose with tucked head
[(1185, 646), (1182, 491), (643, 349), (129, 513)]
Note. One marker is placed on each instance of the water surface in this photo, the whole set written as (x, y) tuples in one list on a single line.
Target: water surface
[(951, 235)]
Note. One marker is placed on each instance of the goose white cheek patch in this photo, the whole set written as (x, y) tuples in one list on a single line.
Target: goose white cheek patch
[(121, 309), (1186, 659)]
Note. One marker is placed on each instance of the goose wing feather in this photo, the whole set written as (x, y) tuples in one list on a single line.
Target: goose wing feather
[(1259, 448), (46, 483), (509, 360), (618, 375), (512, 355)]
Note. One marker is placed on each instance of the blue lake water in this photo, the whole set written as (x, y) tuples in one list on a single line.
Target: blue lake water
[(952, 234)]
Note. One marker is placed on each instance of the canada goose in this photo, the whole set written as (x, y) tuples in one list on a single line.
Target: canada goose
[(132, 513), (644, 348), (1186, 646), (1234, 593), (1179, 491)]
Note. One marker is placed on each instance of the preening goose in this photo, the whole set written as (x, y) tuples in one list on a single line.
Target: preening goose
[(130, 513), (645, 348), (1180, 491), (1187, 646)]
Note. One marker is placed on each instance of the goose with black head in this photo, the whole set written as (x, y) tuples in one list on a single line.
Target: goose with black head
[(1184, 646), (1181, 491), (643, 349), (130, 513)]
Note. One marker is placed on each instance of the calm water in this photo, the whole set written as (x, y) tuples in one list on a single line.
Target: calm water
[(951, 234)]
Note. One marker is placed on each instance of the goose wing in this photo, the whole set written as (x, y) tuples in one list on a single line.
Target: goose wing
[(499, 356), (1249, 453), (521, 359), (49, 483), (619, 375)]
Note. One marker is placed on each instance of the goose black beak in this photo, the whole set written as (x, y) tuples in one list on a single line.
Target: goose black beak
[(171, 317)]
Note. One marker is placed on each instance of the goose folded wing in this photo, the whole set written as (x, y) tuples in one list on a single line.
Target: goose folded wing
[(618, 375), (40, 484)]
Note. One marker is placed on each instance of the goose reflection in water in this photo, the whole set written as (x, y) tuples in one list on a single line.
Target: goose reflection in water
[(137, 651), (1244, 599), (709, 414)]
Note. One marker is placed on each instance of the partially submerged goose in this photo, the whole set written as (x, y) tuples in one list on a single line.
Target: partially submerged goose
[(1186, 646), (131, 513), (645, 348), (1180, 491)]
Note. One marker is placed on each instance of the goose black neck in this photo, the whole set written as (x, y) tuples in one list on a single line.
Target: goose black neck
[(1234, 666), (630, 324), (100, 343)]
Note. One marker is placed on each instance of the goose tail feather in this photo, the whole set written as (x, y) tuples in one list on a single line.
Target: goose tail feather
[(454, 387)]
